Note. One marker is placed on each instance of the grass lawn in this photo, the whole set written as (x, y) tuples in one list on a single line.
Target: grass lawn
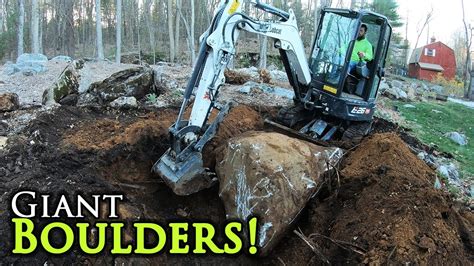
[(430, 121)]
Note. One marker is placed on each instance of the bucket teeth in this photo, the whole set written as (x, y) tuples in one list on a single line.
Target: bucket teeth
[(185, 177)]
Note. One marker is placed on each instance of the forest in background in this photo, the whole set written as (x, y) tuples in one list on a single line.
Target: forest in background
[(169, 30)]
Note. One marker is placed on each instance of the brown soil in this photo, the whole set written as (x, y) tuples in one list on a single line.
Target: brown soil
[(265, 76), (234, 77), (239, 120), (385, 209), (107, 133)]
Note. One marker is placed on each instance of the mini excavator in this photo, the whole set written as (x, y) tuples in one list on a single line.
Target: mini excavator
[(328, 98)]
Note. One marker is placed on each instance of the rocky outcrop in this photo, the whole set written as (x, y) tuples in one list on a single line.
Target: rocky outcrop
[(271, 176), (67, 84), (9, 102), (136, 82)]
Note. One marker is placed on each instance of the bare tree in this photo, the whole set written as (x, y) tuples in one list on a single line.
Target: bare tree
[(21, 24), (178, 27), (428, 18), (353, 4), (118, 35), (467, 65), (193, 20), (98, 23), (151, 32), (189, 31), (170, 30), (35, 26)]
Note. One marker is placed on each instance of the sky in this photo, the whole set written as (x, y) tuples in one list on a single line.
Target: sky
[(447, 18)]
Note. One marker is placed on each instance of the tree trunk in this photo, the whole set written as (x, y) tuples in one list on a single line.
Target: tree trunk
[(35, 26), (21, 24), (151, 33), (68, 18), (353, 4), (171, 30), (118, 35), (98, 25), (193, 47), (468, 64), (263, 50), (177, 22), (2, 16)]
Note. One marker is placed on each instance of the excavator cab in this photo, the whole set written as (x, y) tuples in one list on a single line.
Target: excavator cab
[(347, 95)]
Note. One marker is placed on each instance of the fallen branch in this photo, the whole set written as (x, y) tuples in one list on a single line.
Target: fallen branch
[(312, 245), (343, 244), (391, 254)]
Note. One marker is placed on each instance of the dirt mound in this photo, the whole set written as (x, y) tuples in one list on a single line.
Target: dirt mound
[(239, 120), (235, 77), (387, 211), (108, 133)]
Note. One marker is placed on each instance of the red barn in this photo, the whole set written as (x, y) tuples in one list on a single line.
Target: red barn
[(427, 61)]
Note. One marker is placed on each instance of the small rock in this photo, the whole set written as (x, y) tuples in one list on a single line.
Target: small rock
[(279, 75), (383, 86), (409, 106), (9, 102), (62, 58), (438, 89), (427, 244), (182, 213), (70, 100), (396, 84), (3, 142), (125, 103), (436, 111), (458, 138), (87, 99), (450, 172)]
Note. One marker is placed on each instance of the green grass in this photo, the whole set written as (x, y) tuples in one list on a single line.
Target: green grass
[(431, 126)]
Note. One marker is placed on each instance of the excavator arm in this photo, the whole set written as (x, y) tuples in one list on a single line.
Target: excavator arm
[(181, 167)]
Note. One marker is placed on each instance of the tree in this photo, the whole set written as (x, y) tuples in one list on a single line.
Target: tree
[(118, 35), (21, 24), (150, 29), (98, 23), (35, 26), (468, 64), (428, 18), (189, 31), (388, 8), (170, 30)]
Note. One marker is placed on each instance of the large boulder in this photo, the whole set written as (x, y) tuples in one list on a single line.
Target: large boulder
[(30, 64), (271, 176), (67, 84), (136, 82), (9, 102), (396, 93)]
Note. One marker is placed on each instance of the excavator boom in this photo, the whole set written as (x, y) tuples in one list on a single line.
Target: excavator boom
[(181, 167)]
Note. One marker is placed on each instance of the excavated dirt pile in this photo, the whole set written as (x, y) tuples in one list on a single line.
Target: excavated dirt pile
[(386, 210)]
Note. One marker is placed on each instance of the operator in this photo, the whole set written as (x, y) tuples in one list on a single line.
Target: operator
[(362, 52), (362, 49)]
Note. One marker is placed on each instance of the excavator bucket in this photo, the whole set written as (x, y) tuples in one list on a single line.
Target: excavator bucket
[(183, 177)]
